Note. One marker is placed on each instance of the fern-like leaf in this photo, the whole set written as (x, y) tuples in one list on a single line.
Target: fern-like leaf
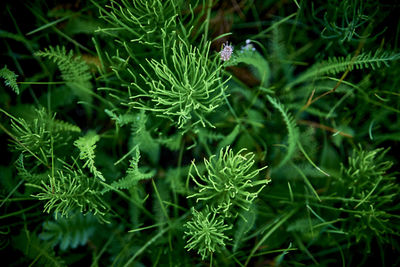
[(293, 133), (341, 64), (121, 119), (69, 191), (33, 136), (87, 146), (63, 126), (69, 232), (10, 79), (142, 138), (74, 70), (133, 174)]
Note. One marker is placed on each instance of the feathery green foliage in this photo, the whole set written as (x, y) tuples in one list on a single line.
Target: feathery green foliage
[(10, 79), (346, 21), (133, 174), (71, 191), (251, 57), (100, 136), (141, 137), (338, 65), (87, 145), (69, 232), (74, 71), (228, 181), (33, 137), (38, 136), (32, 178), (148, 22), (186, 92), (367, 180), (205, 232), (293, 133)]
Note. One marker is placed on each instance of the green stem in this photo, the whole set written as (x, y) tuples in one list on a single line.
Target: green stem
[(267, 235), (207, 20)]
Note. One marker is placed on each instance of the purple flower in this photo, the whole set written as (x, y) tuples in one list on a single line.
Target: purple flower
[(226, 51)]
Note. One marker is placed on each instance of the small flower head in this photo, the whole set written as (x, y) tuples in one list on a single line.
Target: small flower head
[(205, 232), (248, 47), (226, 51)]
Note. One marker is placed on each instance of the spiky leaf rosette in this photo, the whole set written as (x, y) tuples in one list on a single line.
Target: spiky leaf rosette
[(69, 191), (205, 232), (228, 182), (146, 21), (34, 134), (185, 88), (367, 181)]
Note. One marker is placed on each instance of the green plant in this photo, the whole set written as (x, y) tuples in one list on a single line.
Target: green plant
[(86, 146), (228, 182), (10, 79), (188, 91), (69, 191), (38, 136), (69, 232), (205, 232), (133, 174), (108, 109), (367, 180), (147, 22), (74, 71)]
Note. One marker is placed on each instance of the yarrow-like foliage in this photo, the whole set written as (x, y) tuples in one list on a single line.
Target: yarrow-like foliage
[(228, 182), (73, 69), (146, 21), (69, 191), (10, 79), (133, 174), (39, 136), (205, 232), (33, 136), (366, 179), (69, 232), (185, 89), (346, 22), (87, 146)]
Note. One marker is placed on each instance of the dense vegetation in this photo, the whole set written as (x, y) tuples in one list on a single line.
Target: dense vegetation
[(199, 133)]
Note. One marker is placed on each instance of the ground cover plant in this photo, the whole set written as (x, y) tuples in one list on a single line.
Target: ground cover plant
[(200, 133)]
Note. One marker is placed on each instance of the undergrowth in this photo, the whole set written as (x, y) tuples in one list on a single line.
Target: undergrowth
[(199, 133)]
